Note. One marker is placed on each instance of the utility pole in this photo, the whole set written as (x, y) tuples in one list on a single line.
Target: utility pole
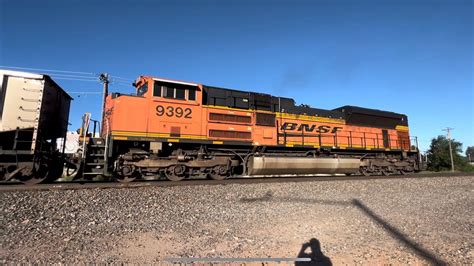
[(448, 129), (104, 78)]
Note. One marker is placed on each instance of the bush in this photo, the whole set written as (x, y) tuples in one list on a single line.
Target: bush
[(439, 158)]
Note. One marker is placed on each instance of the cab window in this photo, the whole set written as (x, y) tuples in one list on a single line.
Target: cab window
[(142, 89), (174, 91), (192, 95), (168, 92), (180, 94), (156, 90)]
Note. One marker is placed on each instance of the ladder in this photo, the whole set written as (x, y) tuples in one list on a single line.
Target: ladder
[(95, 162)]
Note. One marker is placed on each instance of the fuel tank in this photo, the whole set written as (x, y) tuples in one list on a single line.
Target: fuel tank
[(263, 165)]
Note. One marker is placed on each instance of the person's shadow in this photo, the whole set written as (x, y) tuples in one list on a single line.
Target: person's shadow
[(315, 254)]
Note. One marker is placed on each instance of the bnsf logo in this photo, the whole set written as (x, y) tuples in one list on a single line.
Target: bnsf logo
[(309, 128)]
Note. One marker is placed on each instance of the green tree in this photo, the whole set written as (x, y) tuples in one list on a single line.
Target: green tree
[(438, 155), (470, 153)]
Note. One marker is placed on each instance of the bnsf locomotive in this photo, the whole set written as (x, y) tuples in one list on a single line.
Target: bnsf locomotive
[(180, 129), (175, 130)]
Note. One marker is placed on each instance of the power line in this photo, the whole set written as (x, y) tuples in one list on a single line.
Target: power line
[(84, 92), (94, 80), (117, 77), (73, 76), (122, 82), (48, 70)]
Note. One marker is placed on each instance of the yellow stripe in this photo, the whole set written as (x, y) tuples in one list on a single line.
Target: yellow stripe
[(173, 140), (401, 128), (217, 142), (311, 118), (227, 108), (120, 138), (155, 135), (289, 145), (132, 134)]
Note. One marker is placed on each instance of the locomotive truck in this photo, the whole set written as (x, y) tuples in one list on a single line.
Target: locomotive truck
[(176, 130)]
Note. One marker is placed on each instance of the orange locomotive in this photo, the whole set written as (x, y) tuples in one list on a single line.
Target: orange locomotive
[(181, 129)]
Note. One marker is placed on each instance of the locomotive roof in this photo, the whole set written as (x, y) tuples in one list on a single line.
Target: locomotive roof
[(290, 106), (262, 101), (350, 109)]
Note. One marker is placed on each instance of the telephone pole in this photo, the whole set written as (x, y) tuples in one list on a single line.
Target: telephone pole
[(104, 78), (448, 129)]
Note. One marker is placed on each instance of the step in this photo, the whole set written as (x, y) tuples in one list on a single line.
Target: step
[(95, 170), (97, 141), (97, 146), (96, 160), (102, 163), (97, 154), (91, 173)]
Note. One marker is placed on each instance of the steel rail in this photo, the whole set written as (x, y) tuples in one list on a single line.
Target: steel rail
[(76, 185)]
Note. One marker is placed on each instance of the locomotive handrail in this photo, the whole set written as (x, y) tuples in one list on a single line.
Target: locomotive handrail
[(364, 141)]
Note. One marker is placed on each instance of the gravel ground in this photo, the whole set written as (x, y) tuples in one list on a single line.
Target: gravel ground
[(394, 221)]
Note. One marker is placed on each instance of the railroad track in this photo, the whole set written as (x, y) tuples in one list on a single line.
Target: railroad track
[(200, 182)]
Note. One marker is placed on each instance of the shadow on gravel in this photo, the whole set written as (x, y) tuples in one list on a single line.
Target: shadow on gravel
[(395, 233), (392, 230), (315, 254)]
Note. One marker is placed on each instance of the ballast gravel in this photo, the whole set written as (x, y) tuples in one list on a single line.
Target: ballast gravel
[(387, 221)]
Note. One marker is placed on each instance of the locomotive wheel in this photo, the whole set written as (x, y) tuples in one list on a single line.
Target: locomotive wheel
[(219, 172), (175, 172), (402, 172), (126, 179), (38, 174), (385, 171), (128, 174), (364, 171)]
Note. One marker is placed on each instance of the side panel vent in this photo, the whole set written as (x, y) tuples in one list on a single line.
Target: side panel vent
[(229, 118), (265, 119), (229, 134)]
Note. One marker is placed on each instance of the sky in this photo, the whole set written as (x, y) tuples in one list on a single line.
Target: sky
[(410, 56)]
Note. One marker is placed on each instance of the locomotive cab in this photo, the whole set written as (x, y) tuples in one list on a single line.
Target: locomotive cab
[(162, 110)]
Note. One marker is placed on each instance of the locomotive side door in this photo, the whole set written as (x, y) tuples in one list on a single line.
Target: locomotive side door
[(385, 138)]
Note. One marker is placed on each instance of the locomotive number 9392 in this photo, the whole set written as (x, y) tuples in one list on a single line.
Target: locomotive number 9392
[(170, 111)]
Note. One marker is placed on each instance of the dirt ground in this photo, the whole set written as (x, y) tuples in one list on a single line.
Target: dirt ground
[(395, 221)]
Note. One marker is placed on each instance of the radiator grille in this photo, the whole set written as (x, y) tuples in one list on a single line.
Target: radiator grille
[(229, 134), (265, 119), (229, 118)]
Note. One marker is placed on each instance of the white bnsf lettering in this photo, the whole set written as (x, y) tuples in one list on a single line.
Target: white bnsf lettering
[(287, 126)]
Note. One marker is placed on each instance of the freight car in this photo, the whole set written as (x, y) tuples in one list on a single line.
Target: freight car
[(177, 130), (34, 112)]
